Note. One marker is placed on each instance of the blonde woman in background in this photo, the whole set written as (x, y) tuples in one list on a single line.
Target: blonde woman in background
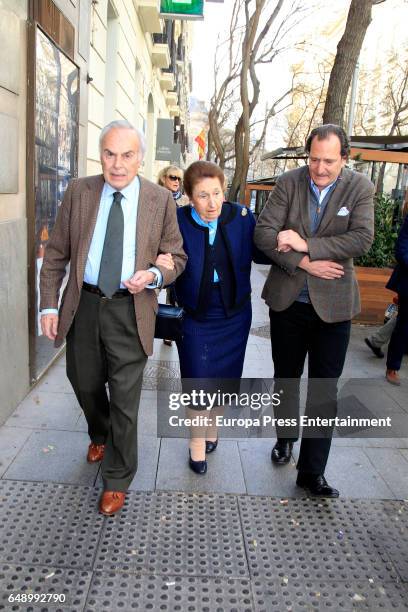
[(171, 177)]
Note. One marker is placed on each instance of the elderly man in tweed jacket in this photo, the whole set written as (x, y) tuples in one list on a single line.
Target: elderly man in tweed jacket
[(113, 229), (316, 220)]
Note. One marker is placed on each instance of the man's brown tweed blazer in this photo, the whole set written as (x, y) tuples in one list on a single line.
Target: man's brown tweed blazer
[(156, 232), (345, 231)]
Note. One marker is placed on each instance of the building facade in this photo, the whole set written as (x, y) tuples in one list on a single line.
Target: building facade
[(140, 71), (14, 372), (68, 67)]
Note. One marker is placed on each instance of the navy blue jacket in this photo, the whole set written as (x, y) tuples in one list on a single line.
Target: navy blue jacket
[(399, 278), (235, 250)]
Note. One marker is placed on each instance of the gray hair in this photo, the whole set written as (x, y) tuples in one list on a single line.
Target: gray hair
[(123, 124)]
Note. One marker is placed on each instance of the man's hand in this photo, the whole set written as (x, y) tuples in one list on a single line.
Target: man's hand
[(139, 281), (49, 325), (322, 268), (289, 240), (165, 260)]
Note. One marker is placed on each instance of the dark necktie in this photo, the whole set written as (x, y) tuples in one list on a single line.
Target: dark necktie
[(111, 262)]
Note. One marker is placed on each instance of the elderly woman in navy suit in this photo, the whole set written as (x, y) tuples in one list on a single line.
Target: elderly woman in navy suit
[(214, 289)]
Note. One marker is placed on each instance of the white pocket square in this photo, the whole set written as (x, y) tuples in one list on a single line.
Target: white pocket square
[(343, 212)]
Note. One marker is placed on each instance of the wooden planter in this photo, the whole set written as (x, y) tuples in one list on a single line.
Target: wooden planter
[(374, 296)]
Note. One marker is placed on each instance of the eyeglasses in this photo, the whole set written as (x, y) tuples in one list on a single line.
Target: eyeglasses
[(174, 178)]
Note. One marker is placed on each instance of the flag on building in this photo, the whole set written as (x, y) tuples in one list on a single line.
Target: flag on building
[(200, 140)]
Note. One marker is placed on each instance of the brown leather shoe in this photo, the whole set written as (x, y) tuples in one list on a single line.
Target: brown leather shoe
[(111, 502), (95, 452), (393, 377)]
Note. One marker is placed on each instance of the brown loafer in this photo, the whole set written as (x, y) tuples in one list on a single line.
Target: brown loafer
[(111, 502), (393, 377), (95, 452)]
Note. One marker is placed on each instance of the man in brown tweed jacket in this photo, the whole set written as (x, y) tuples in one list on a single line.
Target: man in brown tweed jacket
[(120, 232), (316, 220)]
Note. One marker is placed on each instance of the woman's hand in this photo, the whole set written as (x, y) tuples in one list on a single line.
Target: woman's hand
[(165, 260), (289, 239)]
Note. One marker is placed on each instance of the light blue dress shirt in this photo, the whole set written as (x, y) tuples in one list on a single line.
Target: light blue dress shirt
[(212, 230), (129, 205), (316, 211), (320, 195)]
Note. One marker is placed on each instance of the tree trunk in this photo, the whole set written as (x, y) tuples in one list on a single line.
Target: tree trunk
[(348, 50), (254, 49), (242, 130), (214, 135), (239, 162)]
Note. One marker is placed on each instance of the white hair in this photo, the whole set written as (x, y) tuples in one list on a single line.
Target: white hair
[(123, 124)]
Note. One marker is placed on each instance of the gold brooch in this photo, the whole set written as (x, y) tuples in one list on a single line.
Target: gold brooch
[(244, 212)]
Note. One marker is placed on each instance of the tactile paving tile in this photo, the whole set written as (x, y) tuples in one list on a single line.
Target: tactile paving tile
[(27, 581), (389, 515), (303, 539), (125, 592), (44, 523), (343, 533), (384, 523), (328, 595), (387, 525), (175, 533)]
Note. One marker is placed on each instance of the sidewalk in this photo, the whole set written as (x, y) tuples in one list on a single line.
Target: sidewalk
[(242, 537)]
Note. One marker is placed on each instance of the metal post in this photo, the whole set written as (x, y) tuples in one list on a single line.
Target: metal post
[(352, 104)]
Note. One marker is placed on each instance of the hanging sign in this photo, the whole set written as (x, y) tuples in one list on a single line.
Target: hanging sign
[(182, 9)]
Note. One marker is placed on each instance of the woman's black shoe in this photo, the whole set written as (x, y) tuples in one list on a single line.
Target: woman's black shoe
[(199, 467), (210, 446)]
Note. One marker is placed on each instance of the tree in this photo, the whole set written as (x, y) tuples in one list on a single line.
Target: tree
[(223, 100), (366, 119), (257, 33), (307, 108), (348, 50), (396, 98), (395, 103)]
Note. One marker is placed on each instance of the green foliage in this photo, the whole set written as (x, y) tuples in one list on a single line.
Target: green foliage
[(381, 254)]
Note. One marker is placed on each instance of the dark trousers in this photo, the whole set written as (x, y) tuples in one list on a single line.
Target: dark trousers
[(399, 338), (296, 332), (103, 346)]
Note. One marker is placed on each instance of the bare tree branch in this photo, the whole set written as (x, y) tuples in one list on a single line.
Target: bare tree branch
[(348, 50), (258, 33)]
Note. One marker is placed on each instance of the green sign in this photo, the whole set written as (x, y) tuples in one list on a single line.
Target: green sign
[(182, 9)]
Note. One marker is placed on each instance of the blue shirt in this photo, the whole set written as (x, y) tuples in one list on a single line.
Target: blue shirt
[(317, 206), (129, 206), (320, 195), (212, 230), (318, 203)]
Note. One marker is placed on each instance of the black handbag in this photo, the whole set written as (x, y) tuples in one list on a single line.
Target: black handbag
[(169, 322)]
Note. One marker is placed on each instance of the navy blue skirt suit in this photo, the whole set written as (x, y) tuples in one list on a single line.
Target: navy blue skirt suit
[(218, 314)]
